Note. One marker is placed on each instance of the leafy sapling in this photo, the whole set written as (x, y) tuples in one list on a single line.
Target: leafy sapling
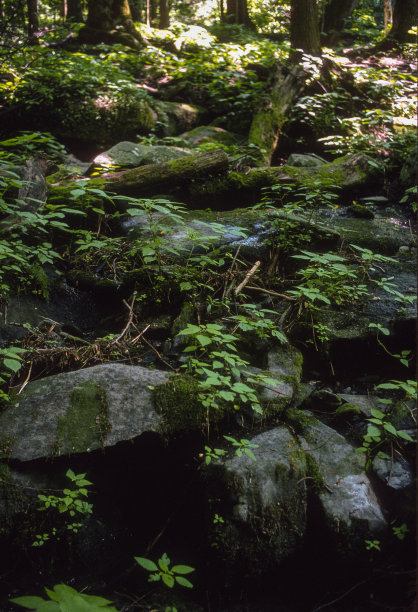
[(242, 446), (162, 571)]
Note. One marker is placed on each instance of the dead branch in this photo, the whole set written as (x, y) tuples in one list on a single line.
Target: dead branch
[(247, 277)]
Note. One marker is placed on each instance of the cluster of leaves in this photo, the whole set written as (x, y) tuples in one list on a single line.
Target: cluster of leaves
[(169, 575), (72, 503)]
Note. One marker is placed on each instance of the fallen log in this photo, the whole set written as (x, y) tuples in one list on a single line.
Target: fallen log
[(160, 178), (272, 112)]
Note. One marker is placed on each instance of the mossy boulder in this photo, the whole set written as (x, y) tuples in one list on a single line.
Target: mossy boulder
[(82, 411), (209, 134), (262, 502), (130, 154), (177, 117)]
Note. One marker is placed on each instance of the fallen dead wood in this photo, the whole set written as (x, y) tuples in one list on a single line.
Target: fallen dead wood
[(158, 178)]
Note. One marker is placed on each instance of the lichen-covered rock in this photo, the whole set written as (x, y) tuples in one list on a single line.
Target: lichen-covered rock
[(285, 364), (209, 133), (305, 160), (177, 117), (348, 172), (262, 502), (350, 507), (130, 154), (81, 411)]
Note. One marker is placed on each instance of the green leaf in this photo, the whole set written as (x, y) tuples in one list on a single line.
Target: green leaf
[(182, 569), (28, 601), (168, 580), (184, 582), (377, 413), (250, 454), (405, 436), (12, 364), (390, 428), (204, 340), (146, 564), (373, 431)]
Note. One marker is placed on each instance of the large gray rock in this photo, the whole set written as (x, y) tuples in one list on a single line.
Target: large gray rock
[(253, 232), (209, 133), (305, 160), (130, 154), (82, 411), (178, 117), (350, 506), (263, 503)]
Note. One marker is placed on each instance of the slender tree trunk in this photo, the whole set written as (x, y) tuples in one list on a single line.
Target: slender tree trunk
[(404, 18), (148, 20), (387, 12), (33, 21), (74, 10), (164, 14), (304, 26), (63, 9)]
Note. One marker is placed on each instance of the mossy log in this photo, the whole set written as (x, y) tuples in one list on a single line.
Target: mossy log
[(268, 120), (161, 178)]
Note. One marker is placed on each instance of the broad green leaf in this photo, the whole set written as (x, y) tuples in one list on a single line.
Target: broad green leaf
[(184, 582), (390, 428), (168, 580), (377, 413), (204, 340), (405, 436), (28, 601), (182, 569), (373, 431), (12, 364), (146, 564)]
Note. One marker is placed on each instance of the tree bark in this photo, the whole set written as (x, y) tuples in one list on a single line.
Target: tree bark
[(404, 18), (103, 20), (33, 21), (164, 15), (387, 13), (304, 27), (155, 178), (74, 10), (335, 14), (237, 12), (271, 115)]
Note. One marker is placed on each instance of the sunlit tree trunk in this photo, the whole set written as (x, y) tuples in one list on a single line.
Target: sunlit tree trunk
[(304, 26), (387, 12), (404, 18), (63, 9), (33, 21), (74, 10), (164, 14)]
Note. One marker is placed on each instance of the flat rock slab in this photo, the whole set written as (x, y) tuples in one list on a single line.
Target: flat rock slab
[(128, 154), (82, 411)]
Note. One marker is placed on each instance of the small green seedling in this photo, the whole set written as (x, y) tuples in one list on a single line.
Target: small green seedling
[(242, 446), (163, 572)]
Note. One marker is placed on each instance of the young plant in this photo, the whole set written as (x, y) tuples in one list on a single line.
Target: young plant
[(162, 571), (72, 502), (242, 446), (63, 598)]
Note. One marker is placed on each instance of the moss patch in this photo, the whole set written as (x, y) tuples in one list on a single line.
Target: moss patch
[(86, 423), (177, 401)]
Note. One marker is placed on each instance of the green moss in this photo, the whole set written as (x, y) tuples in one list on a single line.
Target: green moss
[(298, 419), (6, 447), (360, 211), (86, 423), (348, 408), (185, 317), (177, 401), (312, 471)]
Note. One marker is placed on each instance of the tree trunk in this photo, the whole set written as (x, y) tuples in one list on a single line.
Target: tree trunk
[(164, 15), (335, 14), (33, 21), (156, 178), (304, 27), (237, 12), (387, 13), (271, 115), (110, 21), (404, 18), (74, 10)]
